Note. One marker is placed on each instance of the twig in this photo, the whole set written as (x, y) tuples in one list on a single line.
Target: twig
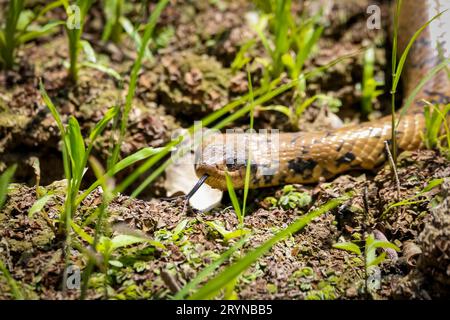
[(394, 167)]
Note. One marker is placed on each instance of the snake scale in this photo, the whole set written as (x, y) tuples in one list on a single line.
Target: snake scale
[(308, 157)]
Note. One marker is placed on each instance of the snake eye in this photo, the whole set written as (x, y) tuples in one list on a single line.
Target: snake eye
[(231, 164)]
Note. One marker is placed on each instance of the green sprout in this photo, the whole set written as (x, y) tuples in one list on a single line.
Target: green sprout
[(397, 68), (5, 179), (436, 118), (76, 15), (289, 44), (20, 28), (113, 12), (370, 257), (369, 84), (293, 199)]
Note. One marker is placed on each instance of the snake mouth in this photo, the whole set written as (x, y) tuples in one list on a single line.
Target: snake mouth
[(216, 176)]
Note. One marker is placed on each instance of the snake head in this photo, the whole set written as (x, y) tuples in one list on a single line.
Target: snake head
[(214, 161), (229, 155)]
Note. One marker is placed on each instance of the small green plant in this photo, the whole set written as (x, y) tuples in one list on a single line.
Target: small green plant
[(19, 28), (75, 156), (113, 10), (117, 22), (75, 153), (76, 15), (436, 118), (8, 39), (397, 68), (15, 290), (414, 199), (291, 199), (5, 179), (369, 84), (370, 257), (226, 234), (289, 44)]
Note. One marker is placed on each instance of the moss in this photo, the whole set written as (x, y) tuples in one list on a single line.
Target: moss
[(191, 83)]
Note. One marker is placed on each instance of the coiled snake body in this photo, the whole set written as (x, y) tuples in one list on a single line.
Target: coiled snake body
[(307, 157)]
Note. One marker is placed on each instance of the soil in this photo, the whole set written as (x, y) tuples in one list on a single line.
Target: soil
[(189, 77)]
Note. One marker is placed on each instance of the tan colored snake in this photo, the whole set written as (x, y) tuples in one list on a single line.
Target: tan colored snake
[(308, 157)]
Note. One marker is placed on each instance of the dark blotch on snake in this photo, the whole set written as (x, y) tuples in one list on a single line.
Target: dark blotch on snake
[(346, 159), (303, 167)]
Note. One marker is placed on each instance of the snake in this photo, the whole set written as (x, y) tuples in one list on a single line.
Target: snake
[(311, 157)]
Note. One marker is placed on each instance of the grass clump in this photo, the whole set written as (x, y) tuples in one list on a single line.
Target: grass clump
[(397, 68), (436, 119), (19, 28), (288, 43)]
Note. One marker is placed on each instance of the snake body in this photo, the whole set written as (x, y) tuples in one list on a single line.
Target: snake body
[(308, 157)]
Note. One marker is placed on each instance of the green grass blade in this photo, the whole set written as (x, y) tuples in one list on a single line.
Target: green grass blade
[(121, 165), (105, 69), (5, 179), (134, 74), (76, 147), (52, 108), (151, 177), (382, 244), (348, 246), (10, 42), (375, 261), (134, 35), (47, 29), (395, 37), (100, 126), (278, 108), (308, 41), (430, 74), (249, 155), (88, 51), (124, 240), (39, 205), (234, 104), (15, 291), (82, 234), (234, 199), (147, 165), (401, 63)]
